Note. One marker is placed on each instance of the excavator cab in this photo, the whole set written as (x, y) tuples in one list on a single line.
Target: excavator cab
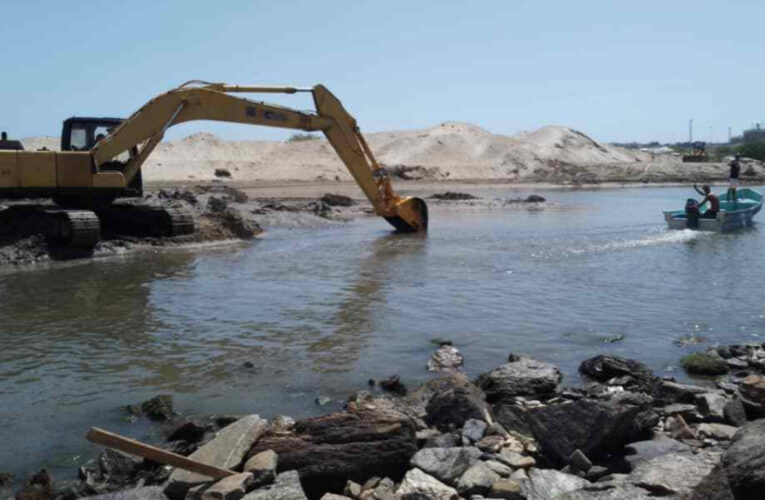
[(82, 133)]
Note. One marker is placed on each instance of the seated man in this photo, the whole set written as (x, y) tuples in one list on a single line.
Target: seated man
[(714, 202)]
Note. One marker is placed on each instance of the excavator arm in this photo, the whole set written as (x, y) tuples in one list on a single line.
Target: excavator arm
[(215, 101)]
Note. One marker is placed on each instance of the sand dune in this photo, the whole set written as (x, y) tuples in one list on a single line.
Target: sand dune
[(451, 150)]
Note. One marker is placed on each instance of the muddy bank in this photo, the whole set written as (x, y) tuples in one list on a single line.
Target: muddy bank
[(515, 432), (225, 213)]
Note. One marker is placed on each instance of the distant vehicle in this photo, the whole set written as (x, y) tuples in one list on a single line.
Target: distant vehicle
[(732, 215), (698, 153)]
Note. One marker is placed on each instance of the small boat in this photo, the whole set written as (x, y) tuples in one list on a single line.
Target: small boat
[(732, 215)]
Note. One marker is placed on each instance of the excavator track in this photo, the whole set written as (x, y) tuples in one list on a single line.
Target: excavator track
[(62, 229), (140, 220), (73, 228)]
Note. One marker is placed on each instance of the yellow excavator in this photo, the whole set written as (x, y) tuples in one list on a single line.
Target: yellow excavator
[(101, 161)]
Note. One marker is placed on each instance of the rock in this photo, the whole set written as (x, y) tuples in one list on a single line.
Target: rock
[(418, 485), (515, 459), (477, 480), (509, 490), (636, 453), (285, 487), (673, 392), (744, 461), (496, 429), (491, 444), (222, 172), (595, 427), (446, 440), (474, 429), (682, 474), (545, 484), (500, 468), (157, 408), (196, 492), (363, 441), (689, 412), (534, 198), (228, 488), (332, 496), (720, 432), (144, 493), (524, 377), (446, 464), (454, 401), (38, 487), (616, 492), (752, 391), (226, 451), (216, 205), (384, 490), (263, 467), (704, 363), (337, 200), (606, 367), (519, 475), (352, 489), (579, 461), (117, 468), (678, 429), (447, 357), (188, 430), (734, 413), (596, 472)]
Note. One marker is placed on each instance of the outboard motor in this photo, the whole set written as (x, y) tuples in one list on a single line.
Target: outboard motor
[(692, 214)]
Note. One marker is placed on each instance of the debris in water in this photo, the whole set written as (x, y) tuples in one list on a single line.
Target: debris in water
[(452, 196), (323, 401), (393, 384)]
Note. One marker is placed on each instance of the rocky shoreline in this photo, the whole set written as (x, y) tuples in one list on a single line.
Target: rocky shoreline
[(515, 432)]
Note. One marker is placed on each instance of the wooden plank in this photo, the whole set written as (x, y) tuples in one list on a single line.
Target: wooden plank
[(133, 447)]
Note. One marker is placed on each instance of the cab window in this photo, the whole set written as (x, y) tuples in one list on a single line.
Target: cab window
[(79, 139)]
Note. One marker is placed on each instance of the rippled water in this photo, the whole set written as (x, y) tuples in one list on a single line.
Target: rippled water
[(318, 312)]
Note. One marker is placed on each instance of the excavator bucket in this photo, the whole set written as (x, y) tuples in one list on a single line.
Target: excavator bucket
[(411, 216)]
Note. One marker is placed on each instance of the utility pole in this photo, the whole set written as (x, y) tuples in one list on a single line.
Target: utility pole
[(690, 130)]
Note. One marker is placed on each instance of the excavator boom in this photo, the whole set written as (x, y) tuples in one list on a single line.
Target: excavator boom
[(216, 101)]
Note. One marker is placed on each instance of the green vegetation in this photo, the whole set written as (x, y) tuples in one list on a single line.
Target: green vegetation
[(754, 150), (302, 137), (704, 363)]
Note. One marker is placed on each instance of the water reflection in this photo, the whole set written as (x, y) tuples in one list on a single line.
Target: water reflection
[(354, 322)]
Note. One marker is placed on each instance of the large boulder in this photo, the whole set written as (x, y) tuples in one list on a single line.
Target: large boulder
[(477, 480), (521, 377), (752, 392), (450, 401), (226, 451), (686, 476), (610, 492), (446, 464), (356, 444), (634, 375), (145, 493), (641, 451), (285, 487), (592, 426), (420, 486), (744, 461), (545, 484)]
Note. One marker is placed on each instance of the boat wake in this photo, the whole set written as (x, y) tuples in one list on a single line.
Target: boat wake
[(666, 237)]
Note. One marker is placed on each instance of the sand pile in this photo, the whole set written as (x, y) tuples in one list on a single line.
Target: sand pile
[(451, 150)]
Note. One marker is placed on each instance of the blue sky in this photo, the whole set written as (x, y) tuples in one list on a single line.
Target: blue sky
[(616, 70)]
